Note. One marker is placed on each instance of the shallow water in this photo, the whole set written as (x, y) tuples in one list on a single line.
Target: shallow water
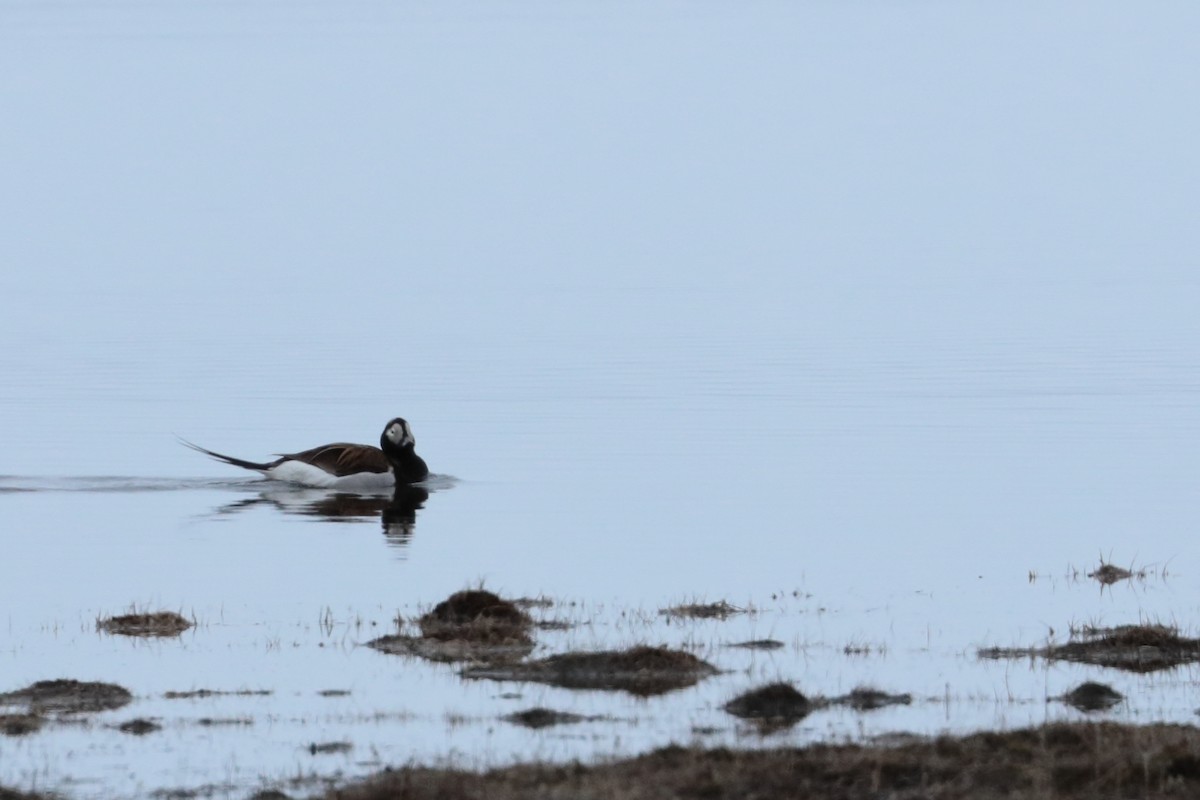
[(877, 322)]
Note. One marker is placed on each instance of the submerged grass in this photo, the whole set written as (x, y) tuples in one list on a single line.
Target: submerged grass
[(720, 610)]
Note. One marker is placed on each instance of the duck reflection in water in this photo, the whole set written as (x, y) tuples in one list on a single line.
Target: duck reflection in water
[(397, 512)]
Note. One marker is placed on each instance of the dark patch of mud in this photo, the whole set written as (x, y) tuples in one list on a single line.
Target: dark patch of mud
[(1078, 761), (334, 693), (216, 722), (68, 697), (542, 718), (718, 610), (1092, 696), (160, 623), (1133, 648), (473, 625), (329, 748), (139, 727), (20, 724), (642, 671), (759, 644)]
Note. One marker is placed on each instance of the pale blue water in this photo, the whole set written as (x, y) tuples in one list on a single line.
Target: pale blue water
[(856, 316)]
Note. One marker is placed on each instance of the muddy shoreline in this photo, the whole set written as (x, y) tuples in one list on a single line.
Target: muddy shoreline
[(1064, 760), (1061, 760)]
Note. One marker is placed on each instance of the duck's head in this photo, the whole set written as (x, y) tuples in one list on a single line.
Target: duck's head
[(397, 435)]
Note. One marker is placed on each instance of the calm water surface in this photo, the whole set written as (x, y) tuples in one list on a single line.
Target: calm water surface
[(879, 322)]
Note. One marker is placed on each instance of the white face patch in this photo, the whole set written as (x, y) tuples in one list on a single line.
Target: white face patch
[(399, 434)]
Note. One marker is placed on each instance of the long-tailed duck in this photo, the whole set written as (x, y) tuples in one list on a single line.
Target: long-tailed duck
[(344, 466)]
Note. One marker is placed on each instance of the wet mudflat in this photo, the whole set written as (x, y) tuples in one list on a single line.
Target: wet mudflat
[(495, 673)]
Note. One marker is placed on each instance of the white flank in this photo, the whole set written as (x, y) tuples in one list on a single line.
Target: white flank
[(302, 474)]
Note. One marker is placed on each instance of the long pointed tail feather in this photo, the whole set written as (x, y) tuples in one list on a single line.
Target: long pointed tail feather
[(237, 462)]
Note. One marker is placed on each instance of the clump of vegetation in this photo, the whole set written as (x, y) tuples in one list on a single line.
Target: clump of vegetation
[(1079, 761), (642, 671), (541, 601), (198, 694), (475, 615), (867, 699), (1092, 696), (139, 727), (718, 610), (1109, 574), (13, 794), (19, 725), (781, 704), (759, 644), (542, 718), (213, 722), (471, 625), (68, 697), (775, 701), (1133, 648), (159, 623)]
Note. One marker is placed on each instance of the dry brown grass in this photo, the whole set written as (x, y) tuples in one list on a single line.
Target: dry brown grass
[(642, 671), (159, 623), (1064, 762)]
